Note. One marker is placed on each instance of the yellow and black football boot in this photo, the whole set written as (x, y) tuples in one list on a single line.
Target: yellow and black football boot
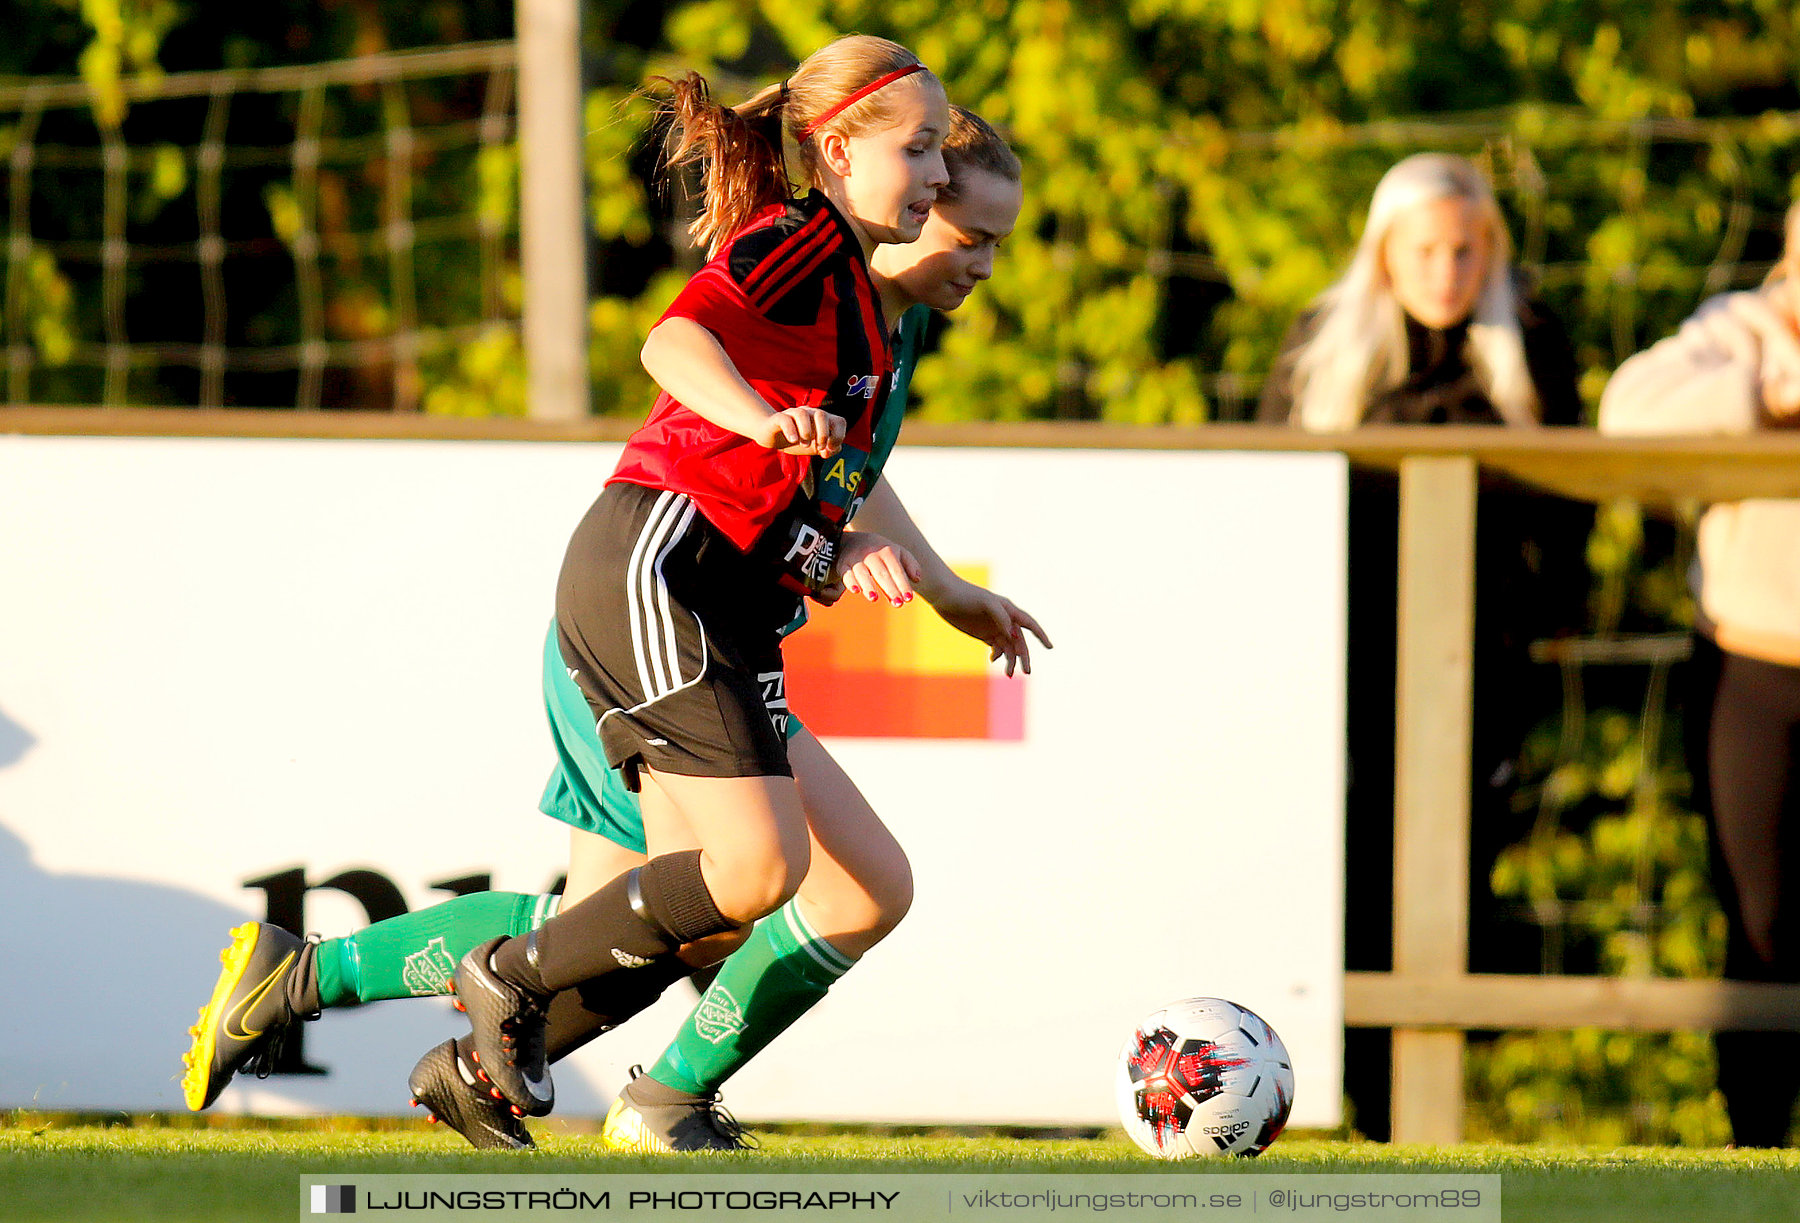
[(249, 1008)]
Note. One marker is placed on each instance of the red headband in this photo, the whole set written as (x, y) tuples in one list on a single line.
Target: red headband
[(880, 82)]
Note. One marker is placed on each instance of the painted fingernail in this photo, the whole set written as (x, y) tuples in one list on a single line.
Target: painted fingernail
[(871, 596), (856, 590), (909, 596), (899, 602)]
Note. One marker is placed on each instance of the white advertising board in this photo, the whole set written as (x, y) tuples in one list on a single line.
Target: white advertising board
[(226, 661)]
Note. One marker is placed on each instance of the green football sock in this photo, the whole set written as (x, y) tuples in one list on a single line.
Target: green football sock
[(768, 983), (415, 955)]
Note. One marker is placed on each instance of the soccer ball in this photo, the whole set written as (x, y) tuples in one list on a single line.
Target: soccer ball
[(1204, 1076)]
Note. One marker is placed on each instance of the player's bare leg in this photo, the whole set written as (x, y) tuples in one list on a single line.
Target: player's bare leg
[(751, 832), (594, 862), (860, 884)]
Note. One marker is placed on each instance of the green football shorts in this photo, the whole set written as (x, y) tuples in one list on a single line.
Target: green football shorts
[(584, 791)]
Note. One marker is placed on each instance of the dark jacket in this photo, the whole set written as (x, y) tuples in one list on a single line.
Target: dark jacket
[(1440, 387)]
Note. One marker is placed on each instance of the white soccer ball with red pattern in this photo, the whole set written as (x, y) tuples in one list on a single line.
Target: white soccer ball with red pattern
[(1204, 1076)]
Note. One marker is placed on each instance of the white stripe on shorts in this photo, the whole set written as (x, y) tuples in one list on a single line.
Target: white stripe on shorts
[(631, 588), (654, 645), (653, 642), (671, 647)]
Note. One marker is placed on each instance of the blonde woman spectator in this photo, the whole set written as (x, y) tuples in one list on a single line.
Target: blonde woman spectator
[(1427, 326), (1734, 368)]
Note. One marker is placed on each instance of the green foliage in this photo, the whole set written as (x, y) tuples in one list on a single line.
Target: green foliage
[(44, 323), (1612, 857), (617, 200), (141, 172), (1596, 1088), (484, 376), (618, 329), (1250, 134), (127, 36), (1196, 170), (48, 304), (497, 188), (1613, 871)]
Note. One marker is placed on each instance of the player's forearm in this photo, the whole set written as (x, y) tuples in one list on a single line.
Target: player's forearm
[(884, 515), (688, 362)]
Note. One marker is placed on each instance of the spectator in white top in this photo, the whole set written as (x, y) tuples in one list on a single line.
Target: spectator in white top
[(1734, 369)]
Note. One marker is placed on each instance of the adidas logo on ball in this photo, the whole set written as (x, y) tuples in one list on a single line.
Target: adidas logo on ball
[(1228, 1131)]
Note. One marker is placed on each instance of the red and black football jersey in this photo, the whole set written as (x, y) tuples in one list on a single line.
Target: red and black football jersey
[(791, 302)]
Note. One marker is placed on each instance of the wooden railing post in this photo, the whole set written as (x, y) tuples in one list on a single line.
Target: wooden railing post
[(552, 224), (1434, 698)]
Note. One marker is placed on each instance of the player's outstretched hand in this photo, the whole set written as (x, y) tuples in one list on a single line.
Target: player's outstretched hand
[(992, 619), (804, 431), (874, 567)]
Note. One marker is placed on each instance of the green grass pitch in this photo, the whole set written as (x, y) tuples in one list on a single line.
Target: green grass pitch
[(54, 1169)]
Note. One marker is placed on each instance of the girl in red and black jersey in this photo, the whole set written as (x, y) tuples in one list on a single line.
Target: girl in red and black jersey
[(726, 508)]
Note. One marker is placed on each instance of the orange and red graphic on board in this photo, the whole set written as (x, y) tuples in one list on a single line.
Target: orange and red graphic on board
[(869, 670)]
